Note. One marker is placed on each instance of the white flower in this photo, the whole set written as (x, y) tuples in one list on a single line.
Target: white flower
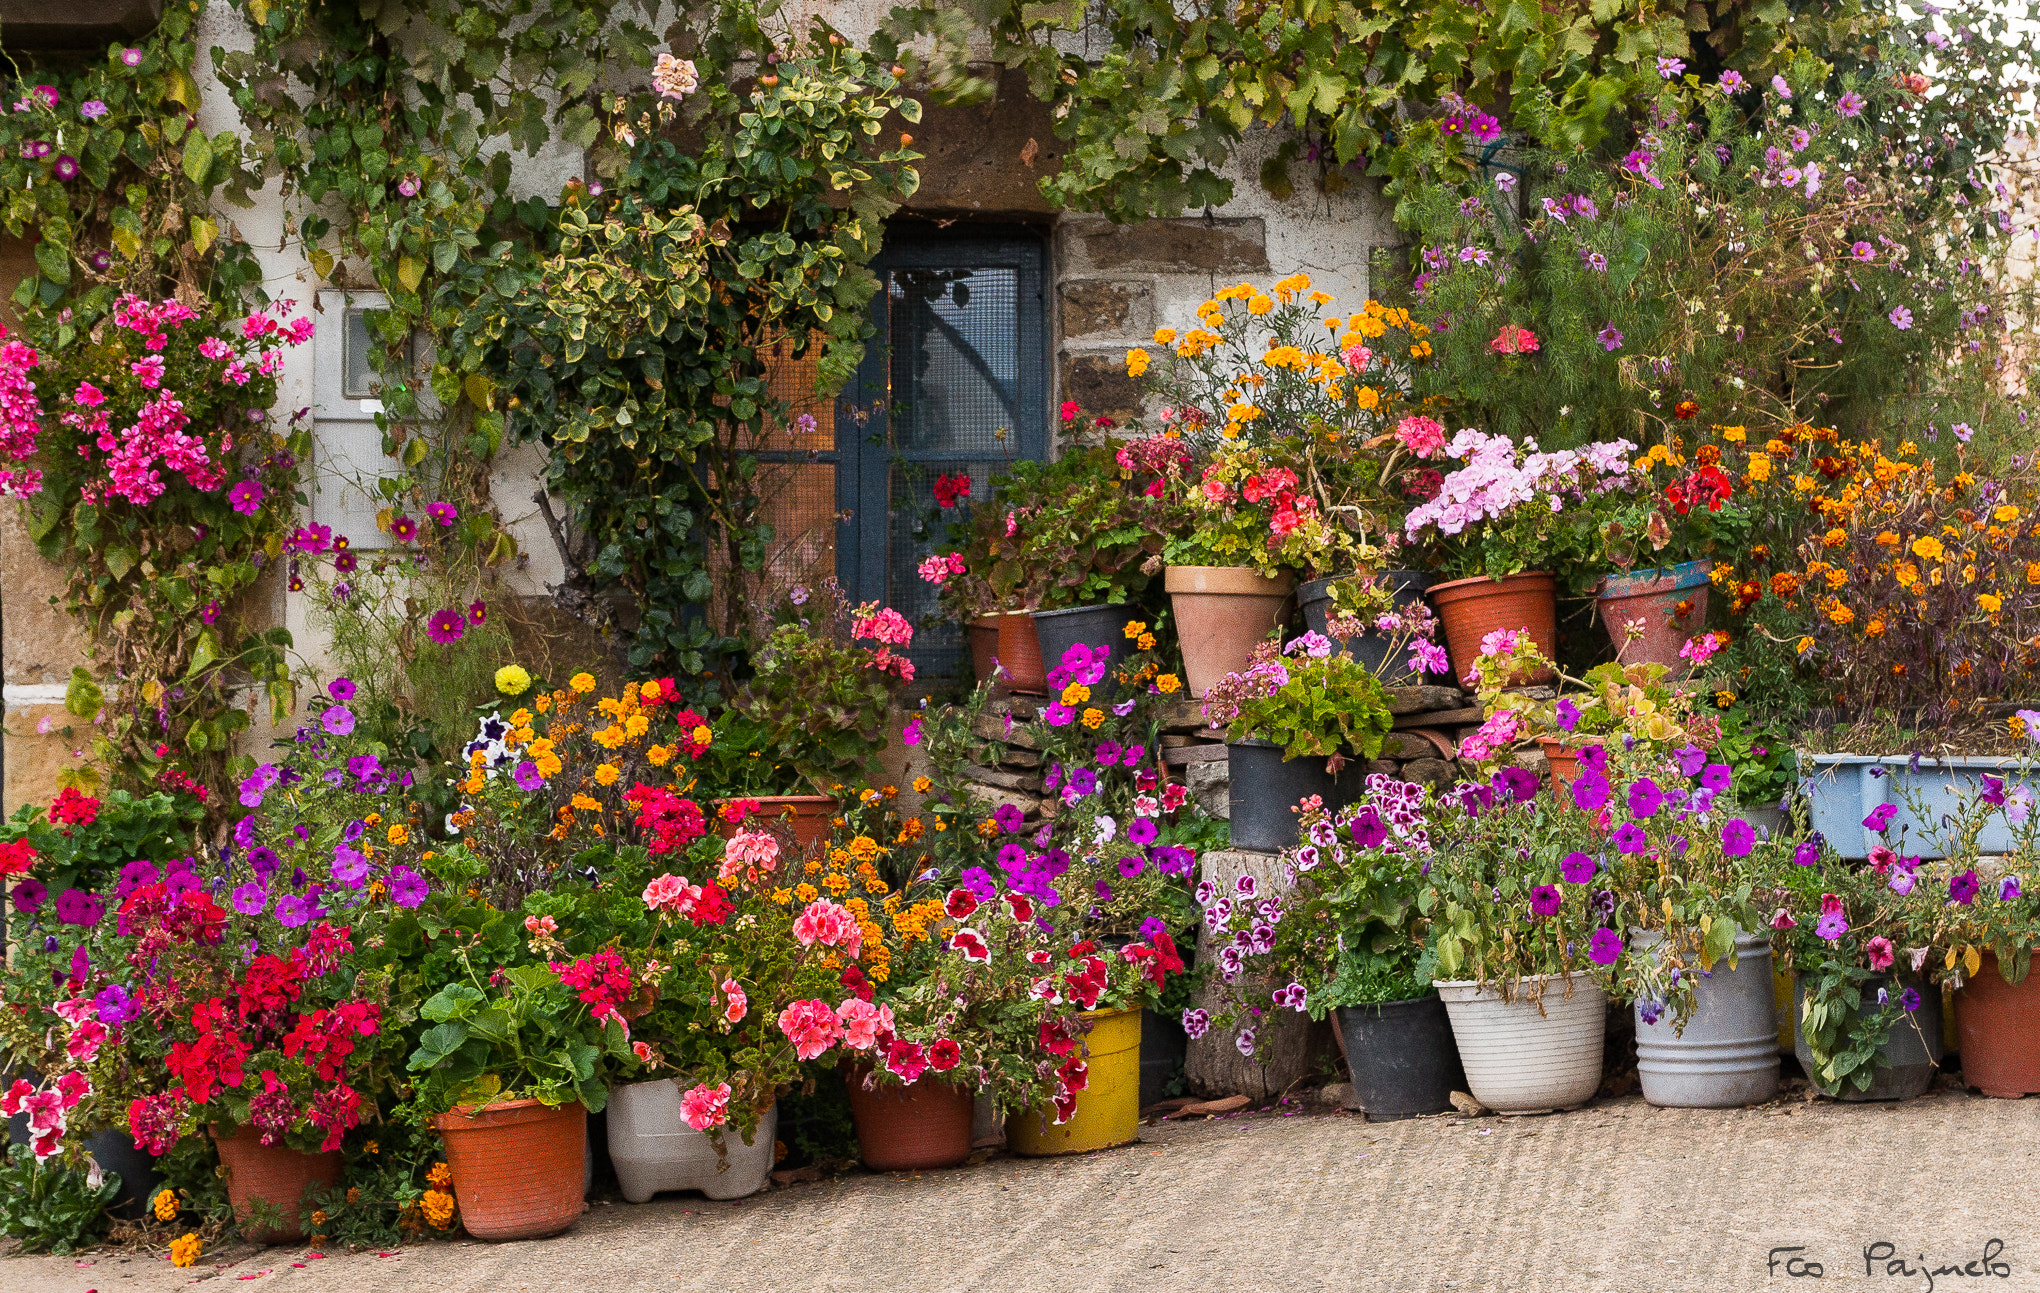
[(674, 78)]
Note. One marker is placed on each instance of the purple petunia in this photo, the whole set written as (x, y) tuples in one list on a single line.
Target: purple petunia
[(1152, 926), (407, 887), (526, 776), (1141, 831), (1644, 797), (1738, 838), (1012, 857), (250, 899), (1577, 868), (1716, 777), (262, 860), (116, 1005), (980, 883), (1082, 782), (1544, 900), (1691, 759), (1132, 865), (1629, 837), (1589, 790), (2008, 888), (76, 907), (1009, 817), (1367, 828), (292, 911), (29, 896), (1806, 853), (1520, 784), (1134, 753), (350, 868), (1605, 947), (1880, 817), (342, 690), (1058, 714), (1961, 889), (338, 721), (1568, 714)]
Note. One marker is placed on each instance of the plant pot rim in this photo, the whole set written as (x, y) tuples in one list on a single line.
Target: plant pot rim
[(1956, 762), (1485, 987), (1654, 580), (472, 1115), (780, 799), (1249, 581), (1311, 587), (1429, 996), (1076, 610), (1463, 587)]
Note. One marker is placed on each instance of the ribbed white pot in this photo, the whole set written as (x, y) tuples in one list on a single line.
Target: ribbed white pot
[(1522, 1060), (654, 1149)]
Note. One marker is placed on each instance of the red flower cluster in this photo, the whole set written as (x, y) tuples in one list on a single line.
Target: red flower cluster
[(950, 490), (190, 917), (690, 722), (1088, 983), (669, 822), (1707, 487), (74, 809), (602, 981), (213, 1060), (327, 1037), (1279, 487), (1159, 959), (16, 857), (175, 780), (669, 694), (271, 983)]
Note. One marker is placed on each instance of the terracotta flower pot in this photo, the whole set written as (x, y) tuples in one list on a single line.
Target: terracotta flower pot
[(909, 1128), (1670, 603), (983, 635), (518, 1167), (274, 1175), (1470, 609), (809, 815), (1222, 613), (1564, 761), (1019, 653), (1997, 1026)]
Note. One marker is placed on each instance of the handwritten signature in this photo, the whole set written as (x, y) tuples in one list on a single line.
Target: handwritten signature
[(1882, 1258)]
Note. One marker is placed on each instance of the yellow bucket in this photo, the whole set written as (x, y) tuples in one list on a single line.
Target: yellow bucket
[(1108, 1109)]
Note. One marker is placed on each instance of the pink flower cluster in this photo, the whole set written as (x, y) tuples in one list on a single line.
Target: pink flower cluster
[(48, 1109), (705, 1106), (1498, 478), (938, 568), (20, 418), (885, 626), (829, 924)]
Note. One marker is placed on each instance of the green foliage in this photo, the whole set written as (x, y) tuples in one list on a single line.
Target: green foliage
[(1845, 1032), (1312, 706), (89, 856), (1155, 100), (529, 1038), (52, 1207), (818, 699)]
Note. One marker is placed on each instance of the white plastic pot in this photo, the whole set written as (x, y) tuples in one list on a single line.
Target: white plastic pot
[(1523, 1059), (1842, 789), (654, 1149)]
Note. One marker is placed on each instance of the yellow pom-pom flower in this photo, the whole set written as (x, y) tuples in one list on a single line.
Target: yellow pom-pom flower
[(166, 1205), (512, 681), (582, 682), (184, 1250)]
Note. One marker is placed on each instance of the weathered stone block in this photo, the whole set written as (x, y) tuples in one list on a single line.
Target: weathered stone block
[(1018, 781), (991, 727), (1286, 1044), (1411, 700), (1194, 244), (1442, 717), (1118, 309), (1430, 772), (1099, 384), (1185, 714), (1210, 784)]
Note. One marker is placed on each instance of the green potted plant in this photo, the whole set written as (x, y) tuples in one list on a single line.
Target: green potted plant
[(1507, 529), (1292, 707), (1346, 938)]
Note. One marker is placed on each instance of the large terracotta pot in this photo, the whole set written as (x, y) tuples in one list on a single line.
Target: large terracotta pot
[(274, 1175), (808, 815), (518, 1167), (1470, 609), (1564, 760), (1222, 612), (1671, 604), (1997, 1026), (983, 635), (909, 1128), (1015, 647)]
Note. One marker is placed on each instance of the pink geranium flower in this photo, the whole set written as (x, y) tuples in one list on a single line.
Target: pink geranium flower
[(830, 925), (735, 1005), (1422, 436), (705, 1106), (149, 368), (860, 1024), (811, 1026)]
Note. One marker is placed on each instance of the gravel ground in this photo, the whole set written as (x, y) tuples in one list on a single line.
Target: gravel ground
[(1618, 1197)]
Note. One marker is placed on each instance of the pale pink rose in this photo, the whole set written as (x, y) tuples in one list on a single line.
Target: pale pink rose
[(705, 1107), (811, 1026)]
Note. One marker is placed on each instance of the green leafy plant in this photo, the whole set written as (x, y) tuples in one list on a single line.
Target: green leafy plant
[(53, 1207), (524, 1035), (1308, 698)]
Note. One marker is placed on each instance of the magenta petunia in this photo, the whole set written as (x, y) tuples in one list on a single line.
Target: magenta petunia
[(446, 626), (1605, 946), (246, 497)]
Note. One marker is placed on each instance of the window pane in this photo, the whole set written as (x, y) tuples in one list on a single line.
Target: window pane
[(955, 359)]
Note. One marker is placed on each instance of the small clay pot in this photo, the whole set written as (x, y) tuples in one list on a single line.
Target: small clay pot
[(1470, 609), (272, 1174), (910, 1128), (519, 1168)]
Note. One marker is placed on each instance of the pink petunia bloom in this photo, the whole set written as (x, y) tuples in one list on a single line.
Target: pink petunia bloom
[(811, 1026), (906, 1060), (1880, 953), (705, 1107)]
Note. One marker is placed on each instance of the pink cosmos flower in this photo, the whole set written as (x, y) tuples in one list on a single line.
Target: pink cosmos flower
[(444, 513), (704, 1107), (860, 1024), (246, 497), (811, 1026), (446, 627), (735, 1005)]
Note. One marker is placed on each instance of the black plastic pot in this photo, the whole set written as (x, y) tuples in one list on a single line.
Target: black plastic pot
[(114, 1150), (1370, 648), (1262, 791), (1163, 1048), (1908, 1059), (1092, 626), (1402, 1057)]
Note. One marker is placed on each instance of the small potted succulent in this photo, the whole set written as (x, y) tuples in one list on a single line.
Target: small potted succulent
[(1294, 720), (1346, 937)]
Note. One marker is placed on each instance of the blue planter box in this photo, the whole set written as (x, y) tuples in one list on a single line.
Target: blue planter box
[(1842, 789)]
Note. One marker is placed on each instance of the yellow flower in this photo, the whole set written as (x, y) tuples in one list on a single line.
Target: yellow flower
[(549, 765), (586, 804), (1888, 540), (1927, 548), (1169, 684), (865, 849), (582, 682), (1990, 602), (658, 754), (838, 883), (1093, 717), (1075, 694), (512, 681), (649, 690), (1841, 614), (637, 725), (1165, 336), (921, 785), (1724, 698), (184, 1250), (2005, 514), (1804, 645), (2033, 572), (1367, 397), (609, 738), (438, 1209), (701, 736), (1133, 629), (806, 892), (166, 1205), (1760, 468), (399, 835), (1734, 435), (782, 896), (1136, 362), (1260, 305), (1146, 642)]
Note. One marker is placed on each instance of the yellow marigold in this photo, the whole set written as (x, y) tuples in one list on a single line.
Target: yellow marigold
[(921, 785), (1734, 435), (1136, 362), (660, 756), (1169, 684), (438, 1206), (782, 896), (837, 883), (2033, 572), (987, 829), (1837, 577), (1990, 602), (1888, 540), (1841, 614), (2005, 514), (1260, 305), (1146, 642), (512, 681), (1093, 717), (542, 704), (1075, 694), (1724, 698), (1760, 468), (1875, 628), (549, 765), (702, 736), (1804, 645), (165, 1204), (910, 830), (184, 1250), (518, 735), (399, 835), (1133, 629), (806, 892), (2017, 725), (1165, 336), (586, 804), (1367, 397), (637, 725), (1835, 538), (1928, 548), (865, 849), (611, 737), (582, 682)]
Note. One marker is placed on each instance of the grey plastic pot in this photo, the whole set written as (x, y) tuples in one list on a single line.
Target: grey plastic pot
[(1727, 1055), (1909, 1057), (1402, 1057), (1843, 789), (1262, 791), (1314, 599)]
